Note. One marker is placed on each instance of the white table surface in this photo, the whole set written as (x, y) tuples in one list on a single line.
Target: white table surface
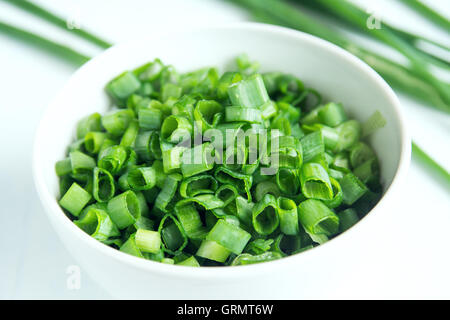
[(33, 263)]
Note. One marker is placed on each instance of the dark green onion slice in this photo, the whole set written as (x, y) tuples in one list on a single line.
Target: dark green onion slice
[(337, 195), (347, 218), (142, 178), (227, 193), (206, 114), (147, 146), (287, 212), (124, 209), (97, 224), (175, 129), (332, 114), (103, 185), (316, 182), (264, 215), (93, 141), (88, 124), (116, 122), (288, 181), (317, 218), (199, 184), (241, 181), (112, 159), (352, 188), (173, 236), (168, 191), (312, 145), (266, 187)]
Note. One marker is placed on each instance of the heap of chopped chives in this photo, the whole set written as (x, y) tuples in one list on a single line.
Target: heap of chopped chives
[(137, 178)]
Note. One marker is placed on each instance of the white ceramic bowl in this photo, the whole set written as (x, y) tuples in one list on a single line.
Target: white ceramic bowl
[(338, 75)]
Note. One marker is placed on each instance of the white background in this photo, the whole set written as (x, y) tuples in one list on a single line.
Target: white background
[(414, 243)]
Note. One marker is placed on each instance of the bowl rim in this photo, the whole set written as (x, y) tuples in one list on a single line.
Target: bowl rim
[(226, 272)]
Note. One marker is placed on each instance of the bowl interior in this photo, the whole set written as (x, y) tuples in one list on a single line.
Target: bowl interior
[(335, 74)]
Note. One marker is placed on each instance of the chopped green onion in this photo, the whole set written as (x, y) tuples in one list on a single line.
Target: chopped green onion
[(317, 218), (75, 199), (124, 209), (264, 215)]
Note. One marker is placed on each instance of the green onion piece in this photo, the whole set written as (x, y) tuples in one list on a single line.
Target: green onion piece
[(282, 124), (227, 79), (149, 71), (175, 129), (349, 134), (104, 186), (142, 178), (171, 157), (206, 114), (312, 145), (197, 160), (116, 122), (259, 246), (245, 258), (167, 261), (148, 241), (241, 181), (229, 236), (124, 209), (168, 191), (352, 188), (121, 87), (244, 209), (264, 215), (338, 196), (97, 224), (150, 118), (145, 210), (315, 182), (266, 187), (170, 90), (317, 218), (106, 144), (81, 163), (287, 212), (63, 167), (189, 262), (130, 247), (360, 153), (211, 250), (87, 124), (375, 122), (130, 134), (207, 201), (190, 220), (75, 199), (227, 193), (200, 184), (147, 146), (369, 173), (174, 238), (249, 93), (347, 218), (288, 181), (332, 114), (93, 141), (239, 114), (287, 245)]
